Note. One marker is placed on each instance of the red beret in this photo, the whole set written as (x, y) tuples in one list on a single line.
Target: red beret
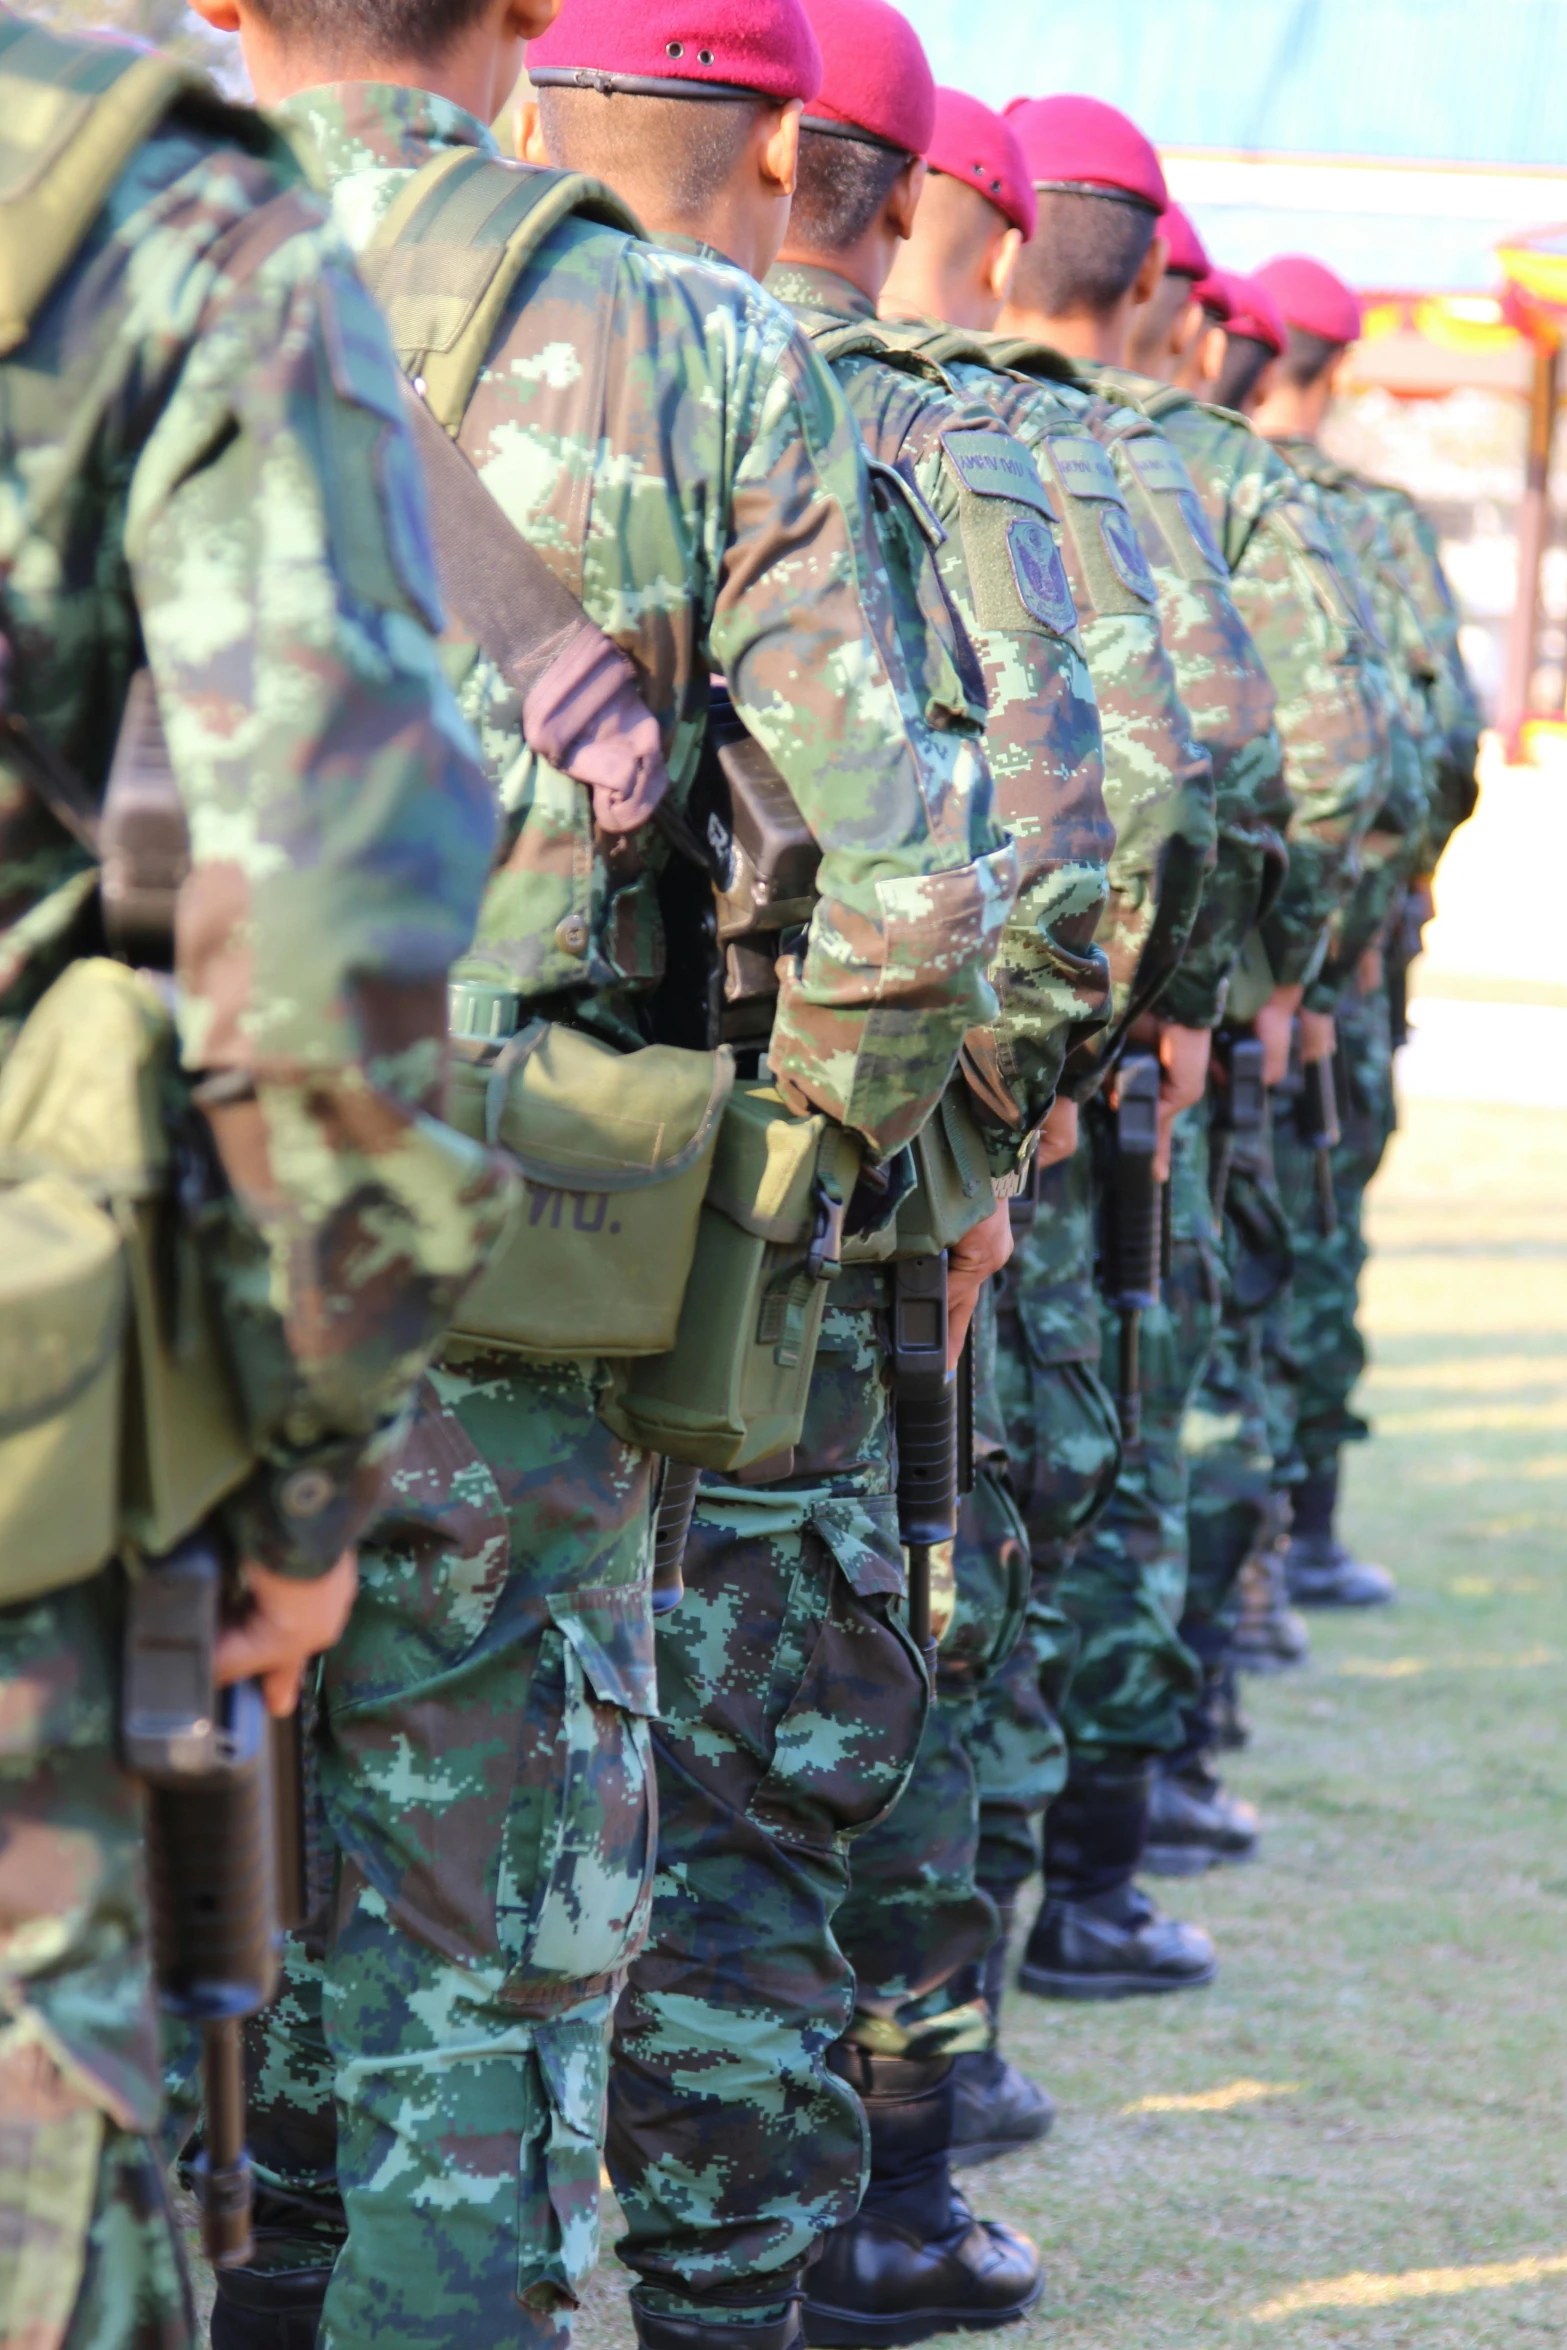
[(681, 48), (876, 79), (1251, 311), (1082, 143), (1188, 254), (1312, 298), (1213, 293), (970, 143)]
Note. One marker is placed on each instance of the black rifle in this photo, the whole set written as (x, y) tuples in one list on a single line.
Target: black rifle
[(1134, 1225), (1239, 1106), (225, 1850), (672, 1531), (1317, 1124), (726, 925), (925, 1424)]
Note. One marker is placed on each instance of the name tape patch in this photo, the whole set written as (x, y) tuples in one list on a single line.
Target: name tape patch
[(1041, 575), (994, 465), (1158, 467), (1083, 466)]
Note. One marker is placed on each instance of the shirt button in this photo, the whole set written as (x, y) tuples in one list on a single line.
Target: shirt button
[(306, 1493), (571, 936)]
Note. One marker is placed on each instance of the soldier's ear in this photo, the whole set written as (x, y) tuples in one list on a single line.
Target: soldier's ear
[(1001, 261), (530, 131), (222, 15)]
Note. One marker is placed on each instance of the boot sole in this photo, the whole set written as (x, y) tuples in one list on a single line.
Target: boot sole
[(1045, 1984), (843, 2329), (1191, 1860)]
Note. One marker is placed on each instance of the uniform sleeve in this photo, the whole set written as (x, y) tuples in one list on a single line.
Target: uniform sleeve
[(340, 836), (916, 877), (1333, 736), (1046, 755)]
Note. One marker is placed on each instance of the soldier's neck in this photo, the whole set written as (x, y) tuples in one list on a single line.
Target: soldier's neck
[(477, 73), (1078, 335)]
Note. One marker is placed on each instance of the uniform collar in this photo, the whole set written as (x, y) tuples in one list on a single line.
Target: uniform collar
[(806, 286), (346, 127)]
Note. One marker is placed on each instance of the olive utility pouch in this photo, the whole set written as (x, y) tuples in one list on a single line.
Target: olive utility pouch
[(732, 1389), (103, 1443), (614, 1150)]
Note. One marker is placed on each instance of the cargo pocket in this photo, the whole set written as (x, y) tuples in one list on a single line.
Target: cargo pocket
[(846, 1741), (579, 1843)]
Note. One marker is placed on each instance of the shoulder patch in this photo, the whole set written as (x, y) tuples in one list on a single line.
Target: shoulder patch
[(994, 465), (1124, 549), (1040, 575), (1083, 466), (1158, 467)]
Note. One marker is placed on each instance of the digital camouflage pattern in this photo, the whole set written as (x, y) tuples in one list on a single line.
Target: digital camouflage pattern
[(229, 443), (1042, 734), (1226, 693), (1158, 782), (791, 1707), (712, 452), (1304, 621), (706, 497)]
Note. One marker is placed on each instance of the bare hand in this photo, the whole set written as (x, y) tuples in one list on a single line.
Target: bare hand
[(290, 1621), (1183, 1075), (970, 1264), (1272, 1028), (1370, 971), (1316, 1036), (1058, 1134)]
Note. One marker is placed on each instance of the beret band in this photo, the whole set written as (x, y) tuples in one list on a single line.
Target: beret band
[(851, 130), (632, 85)]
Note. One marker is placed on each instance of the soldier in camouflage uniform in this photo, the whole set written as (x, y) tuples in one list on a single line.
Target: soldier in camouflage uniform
[(690, 472), (1412, 609), (202, 466), (1303, 621), (729, 2169)]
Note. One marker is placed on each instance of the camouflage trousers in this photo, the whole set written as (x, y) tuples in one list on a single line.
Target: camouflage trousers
[(791, 1707), (429, 2094), (1229, 1455), (1123, 1586), (1321, 1353), (89, 2254)]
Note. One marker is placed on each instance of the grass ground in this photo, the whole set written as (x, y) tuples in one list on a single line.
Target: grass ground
[(1373, 2148)]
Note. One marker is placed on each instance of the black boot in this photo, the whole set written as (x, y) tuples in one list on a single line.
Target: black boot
[(1097, 1936), (998, 2109), (915, 2261), (1319, 1570), (660, 2330), (1269, 1636), (1231, 1724), (1193, 1823), (268, 2308)]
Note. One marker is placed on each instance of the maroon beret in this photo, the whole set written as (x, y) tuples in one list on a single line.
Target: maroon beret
[(1188, 254), (1213, 293), (1080, 143), (681, 48), (876, 79), (1251, 309), (1312, 298), (972, 144)]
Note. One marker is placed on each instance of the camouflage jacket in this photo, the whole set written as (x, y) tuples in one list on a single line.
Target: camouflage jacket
[(1158, 779), (1398, 843), (1454, 708), (1303, 622), (1225, 690), (202, 467), (980, 500), (668, 441)]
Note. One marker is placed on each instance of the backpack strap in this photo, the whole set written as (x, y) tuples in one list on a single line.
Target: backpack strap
[(446, 257), (72, 114)]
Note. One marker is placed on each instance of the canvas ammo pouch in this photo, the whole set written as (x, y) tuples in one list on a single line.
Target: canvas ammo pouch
[(614, 1151), (731, 1391), (118, 1422)]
